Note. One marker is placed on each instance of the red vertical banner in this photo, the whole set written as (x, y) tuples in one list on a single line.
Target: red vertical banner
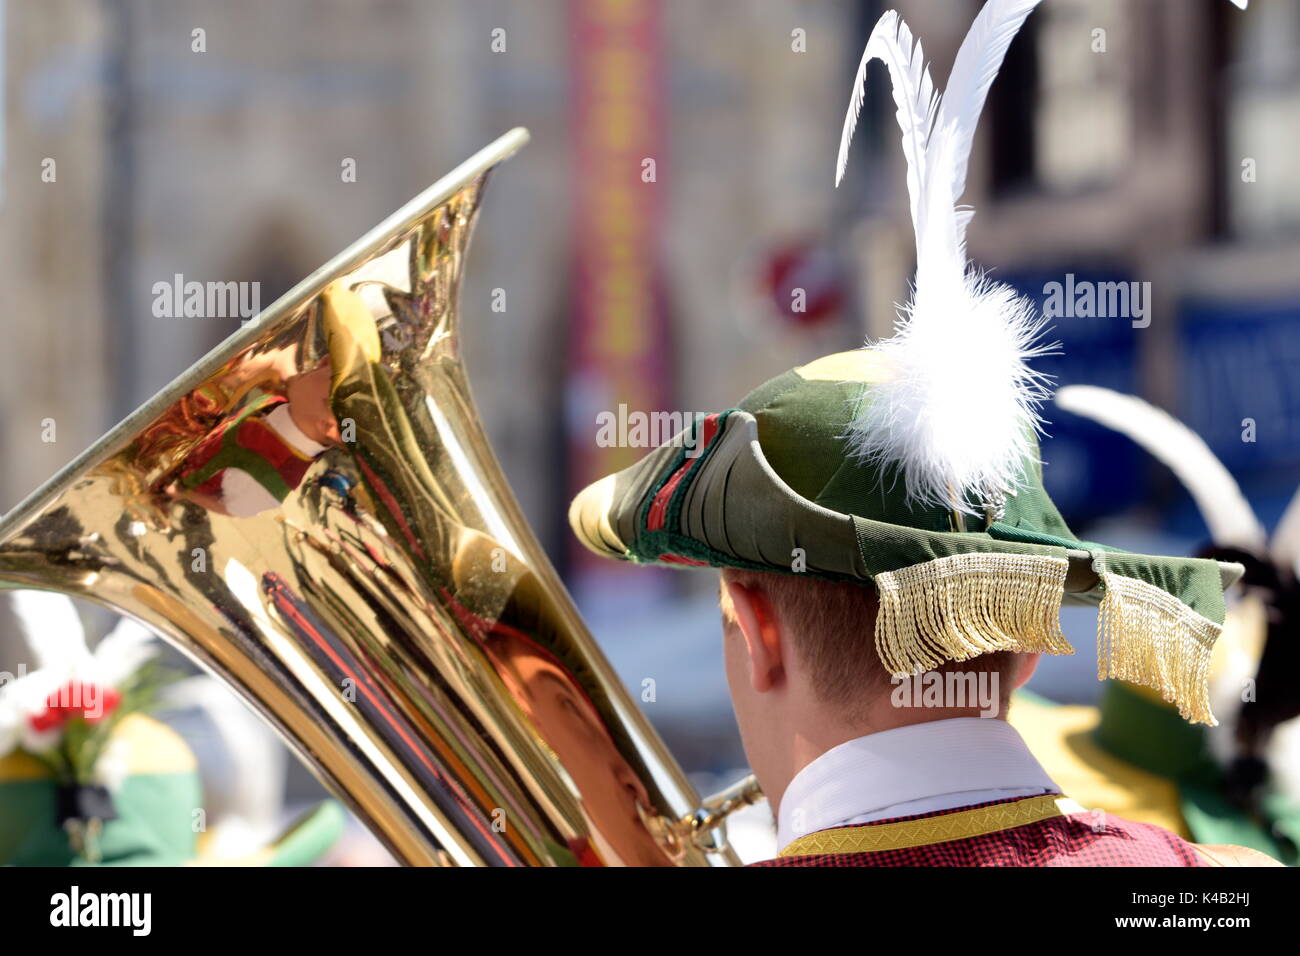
[(618, 335)]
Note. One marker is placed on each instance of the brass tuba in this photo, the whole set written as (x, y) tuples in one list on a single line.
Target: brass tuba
[(313, 513)]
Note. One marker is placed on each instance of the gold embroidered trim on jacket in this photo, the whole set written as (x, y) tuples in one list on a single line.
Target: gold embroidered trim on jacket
[(964, 605), (941, 829)]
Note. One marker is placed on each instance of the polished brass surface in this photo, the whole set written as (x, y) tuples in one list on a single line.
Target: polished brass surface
[(314, 514)]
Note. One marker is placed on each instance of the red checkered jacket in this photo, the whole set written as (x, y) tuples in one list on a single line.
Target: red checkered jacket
[(1091, 838)]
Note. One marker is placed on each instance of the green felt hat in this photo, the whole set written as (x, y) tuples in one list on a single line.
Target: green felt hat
[(913, 465), (153, 812), (775, 485)]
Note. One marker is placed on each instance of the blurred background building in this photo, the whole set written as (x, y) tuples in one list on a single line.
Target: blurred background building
[(670, 239)]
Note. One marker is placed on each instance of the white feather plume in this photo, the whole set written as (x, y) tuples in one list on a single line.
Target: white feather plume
[(914, 96), (958, 413), (1230, 518), (1284, 548), (977, 63)]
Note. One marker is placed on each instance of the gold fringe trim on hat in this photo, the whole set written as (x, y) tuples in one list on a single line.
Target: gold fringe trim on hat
[(964, 605), (1147, 636)]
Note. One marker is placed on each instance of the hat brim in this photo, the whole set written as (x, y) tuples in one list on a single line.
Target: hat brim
[(716, 501), (711, 498)]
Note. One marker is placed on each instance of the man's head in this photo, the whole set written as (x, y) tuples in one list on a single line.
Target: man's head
[(805, 676)]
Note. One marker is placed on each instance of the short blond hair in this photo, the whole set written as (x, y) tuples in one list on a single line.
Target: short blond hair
[(832, 625)]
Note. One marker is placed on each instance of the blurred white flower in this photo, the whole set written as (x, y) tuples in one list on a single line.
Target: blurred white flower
[(114, 764), (68, 678)]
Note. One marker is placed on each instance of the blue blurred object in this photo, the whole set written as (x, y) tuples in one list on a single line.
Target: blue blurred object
[(1090, 471), (1239, 362)]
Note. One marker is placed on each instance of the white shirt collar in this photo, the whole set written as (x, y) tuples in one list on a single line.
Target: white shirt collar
[(920, 768)]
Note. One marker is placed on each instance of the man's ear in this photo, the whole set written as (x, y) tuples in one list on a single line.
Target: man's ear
[(1027, 665), (757, 621)]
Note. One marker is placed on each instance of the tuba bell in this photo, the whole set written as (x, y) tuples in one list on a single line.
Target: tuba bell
[(313, 513)]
